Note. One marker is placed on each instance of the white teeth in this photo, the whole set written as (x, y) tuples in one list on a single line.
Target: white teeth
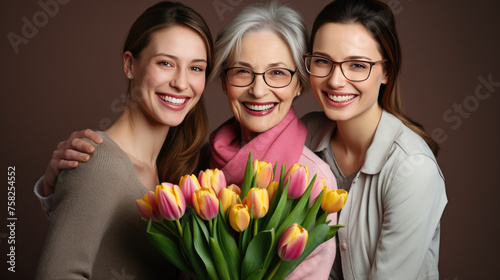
[(173, 100), (259, 107), (340, 98)]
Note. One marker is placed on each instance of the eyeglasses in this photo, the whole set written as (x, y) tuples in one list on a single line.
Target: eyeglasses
[(274, 77), (353, 70)]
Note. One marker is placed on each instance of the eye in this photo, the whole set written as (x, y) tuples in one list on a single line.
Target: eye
[(277, 72), (321, 61), (165, 64), (357, 65), (197, 69), (241, 72)]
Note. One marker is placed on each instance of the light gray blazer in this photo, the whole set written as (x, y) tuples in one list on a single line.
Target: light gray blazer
[(394, 204)]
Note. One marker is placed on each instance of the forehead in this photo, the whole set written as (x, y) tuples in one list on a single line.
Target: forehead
[(177, 40), (346, 39), (263, 48)]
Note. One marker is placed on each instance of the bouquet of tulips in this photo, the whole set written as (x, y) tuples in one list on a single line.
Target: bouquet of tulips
[(262, 230)]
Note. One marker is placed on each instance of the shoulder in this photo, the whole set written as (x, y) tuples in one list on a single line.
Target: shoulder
[(319, 129), (108, 163), (410, 166)]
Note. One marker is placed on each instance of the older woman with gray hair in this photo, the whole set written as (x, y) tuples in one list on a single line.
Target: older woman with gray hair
[(258, 58)]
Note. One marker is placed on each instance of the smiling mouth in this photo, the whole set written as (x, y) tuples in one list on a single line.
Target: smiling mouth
[(259, 108), (340, 98), (173, 100)]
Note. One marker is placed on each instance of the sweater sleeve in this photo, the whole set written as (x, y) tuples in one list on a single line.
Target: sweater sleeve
[(84, 201), (408, 246), (45, 201)]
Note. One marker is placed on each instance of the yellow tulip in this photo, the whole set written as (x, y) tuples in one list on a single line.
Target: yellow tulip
[(228, 198), (333, 200), (264, 173), (239, 217)]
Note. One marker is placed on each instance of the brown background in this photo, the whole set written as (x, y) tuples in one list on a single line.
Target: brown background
[(68, 76)]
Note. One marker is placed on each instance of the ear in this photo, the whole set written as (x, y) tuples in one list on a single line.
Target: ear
[(224, 86), (128, 60), (385, 79)]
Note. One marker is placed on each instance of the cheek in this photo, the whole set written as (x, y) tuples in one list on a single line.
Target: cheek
[(198, 86)]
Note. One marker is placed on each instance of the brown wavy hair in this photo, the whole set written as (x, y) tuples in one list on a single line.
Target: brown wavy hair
[(378, 18), (181, 150)]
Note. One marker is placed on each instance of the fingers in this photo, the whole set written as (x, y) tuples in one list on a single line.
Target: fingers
[(90, 134)]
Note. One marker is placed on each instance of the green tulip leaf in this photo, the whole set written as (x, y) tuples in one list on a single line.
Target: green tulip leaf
[(167, 247), (258, 251), (220, 261), (273, 218), (230, 250), (247, 178), (196, 262), (333, 230), (298, 213), (202, 226), (247, 233), (310, 219), (202, 248), (257, 275)]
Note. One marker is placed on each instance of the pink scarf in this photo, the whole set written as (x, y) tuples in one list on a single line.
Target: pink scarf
[(282, 144)]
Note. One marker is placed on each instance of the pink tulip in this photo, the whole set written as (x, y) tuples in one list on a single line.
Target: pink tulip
[(171, 201), (292, 242), (148, 207), (297, 175), (189, 184), (212, 178), (205, 203), (264, 173), (235, 188), (318, 186)]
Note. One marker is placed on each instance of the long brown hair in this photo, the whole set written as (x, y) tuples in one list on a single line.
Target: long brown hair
[(378, 18), (181, 150)]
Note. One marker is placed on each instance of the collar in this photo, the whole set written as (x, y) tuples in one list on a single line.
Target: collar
[(388, 129)]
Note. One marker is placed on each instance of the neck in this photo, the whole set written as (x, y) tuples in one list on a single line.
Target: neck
[(141, 138), (355, 136)]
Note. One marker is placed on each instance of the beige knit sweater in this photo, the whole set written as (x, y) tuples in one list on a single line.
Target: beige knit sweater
[(95, 229)]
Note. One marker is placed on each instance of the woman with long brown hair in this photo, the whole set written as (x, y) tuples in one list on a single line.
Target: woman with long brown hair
[(94, 230), (383, 158)]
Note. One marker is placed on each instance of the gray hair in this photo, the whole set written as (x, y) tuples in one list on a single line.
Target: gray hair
[(282, 20)]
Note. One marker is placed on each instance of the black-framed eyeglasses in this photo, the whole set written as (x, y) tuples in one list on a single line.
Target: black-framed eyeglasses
[(353, 70), (274, 77)]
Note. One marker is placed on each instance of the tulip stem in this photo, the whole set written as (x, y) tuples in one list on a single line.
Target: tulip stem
[(255, 225), (179, 227), (275, 269), (210, 226)]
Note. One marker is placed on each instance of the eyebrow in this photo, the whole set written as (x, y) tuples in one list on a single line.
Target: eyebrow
[(270, 65), (176, 58), (352, 57)]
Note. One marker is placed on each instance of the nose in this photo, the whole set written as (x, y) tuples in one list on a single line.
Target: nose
[(259, 88), (179, 80), (337, 79)]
